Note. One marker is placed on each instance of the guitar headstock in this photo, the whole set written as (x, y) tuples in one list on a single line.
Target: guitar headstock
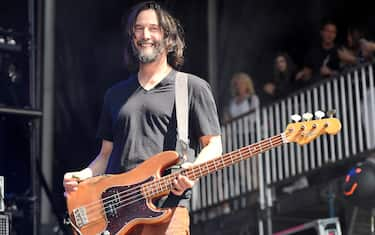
[(305, 132)]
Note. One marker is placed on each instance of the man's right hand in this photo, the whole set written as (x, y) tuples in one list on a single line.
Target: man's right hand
[(71, 179)]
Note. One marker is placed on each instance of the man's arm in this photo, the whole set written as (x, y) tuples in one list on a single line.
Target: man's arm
[(212, 149), (99, 165), (367, 47), (96, 167)]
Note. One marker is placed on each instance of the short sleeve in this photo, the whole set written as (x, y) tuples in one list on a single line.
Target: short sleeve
[(203, 111), (105, 121)]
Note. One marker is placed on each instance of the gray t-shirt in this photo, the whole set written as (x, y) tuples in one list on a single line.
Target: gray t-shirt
[(142, 123)]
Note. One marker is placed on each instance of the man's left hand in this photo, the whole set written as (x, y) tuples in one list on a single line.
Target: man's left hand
[(182, 183)]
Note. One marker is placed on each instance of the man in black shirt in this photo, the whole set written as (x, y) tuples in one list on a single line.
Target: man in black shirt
[(138, 118), (322, 61)]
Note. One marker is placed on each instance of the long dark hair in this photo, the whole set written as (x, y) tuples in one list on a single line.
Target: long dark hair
[(290, 68), (173, 34)]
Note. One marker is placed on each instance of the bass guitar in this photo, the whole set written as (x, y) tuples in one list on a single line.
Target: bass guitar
[(116, 204)]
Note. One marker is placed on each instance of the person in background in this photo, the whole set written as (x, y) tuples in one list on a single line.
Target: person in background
[(352, 54), (322, 61), (367, 49), (244, 97), (283, 77)]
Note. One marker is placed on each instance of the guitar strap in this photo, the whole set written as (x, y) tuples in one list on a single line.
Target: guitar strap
[(182, 144), (182, 115)]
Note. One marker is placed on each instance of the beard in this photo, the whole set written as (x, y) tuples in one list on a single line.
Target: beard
[(148, 55)]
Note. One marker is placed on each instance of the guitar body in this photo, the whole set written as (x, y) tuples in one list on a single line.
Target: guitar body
[(99, 207)]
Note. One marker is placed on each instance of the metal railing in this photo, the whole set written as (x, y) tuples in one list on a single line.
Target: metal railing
[(351, 94)]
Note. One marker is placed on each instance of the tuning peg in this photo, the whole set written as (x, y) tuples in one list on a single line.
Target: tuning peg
[(307, 116), (319, 114), (296, 117), (331, 113)]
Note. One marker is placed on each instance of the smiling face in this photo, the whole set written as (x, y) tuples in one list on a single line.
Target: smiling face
[(148, 40)]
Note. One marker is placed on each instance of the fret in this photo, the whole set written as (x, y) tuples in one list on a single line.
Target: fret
[(254, 150), (145, 190), (241, 157), (231, 158), (159, 186), (168, 183), (195, 174), (208, 168), (163, 185), (270, 142), (251, 153), (200, 170), (197, 171), (222, 159), (155, 189), (214, 161), (152, 189)]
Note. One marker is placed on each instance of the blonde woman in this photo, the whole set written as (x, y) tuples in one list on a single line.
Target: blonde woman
[(244, 98)]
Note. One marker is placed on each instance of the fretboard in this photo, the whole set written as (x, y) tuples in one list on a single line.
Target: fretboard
[(164, 184)]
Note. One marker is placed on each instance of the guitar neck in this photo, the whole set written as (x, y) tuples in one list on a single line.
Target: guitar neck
[(164, 184), (234, 157)]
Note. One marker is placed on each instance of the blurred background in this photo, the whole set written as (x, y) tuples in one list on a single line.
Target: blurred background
[(57, 59)]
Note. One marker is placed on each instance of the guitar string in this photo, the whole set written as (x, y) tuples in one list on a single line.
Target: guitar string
[(141, 197), (237, 156), (153, 183), (135, 189)]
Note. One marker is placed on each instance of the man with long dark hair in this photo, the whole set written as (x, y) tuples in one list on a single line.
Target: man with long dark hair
[(138, 118)]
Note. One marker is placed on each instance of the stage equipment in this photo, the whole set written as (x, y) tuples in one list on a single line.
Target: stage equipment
[(330, 226)]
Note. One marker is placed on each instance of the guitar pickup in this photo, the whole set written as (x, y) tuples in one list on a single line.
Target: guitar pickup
[(80, 216)]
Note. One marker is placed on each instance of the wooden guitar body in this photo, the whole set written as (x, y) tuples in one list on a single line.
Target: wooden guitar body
[(115, 204)]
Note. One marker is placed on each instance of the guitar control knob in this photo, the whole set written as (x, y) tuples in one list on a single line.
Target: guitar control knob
[(106, 232), (319, 114), (307, 116), (296, 117)]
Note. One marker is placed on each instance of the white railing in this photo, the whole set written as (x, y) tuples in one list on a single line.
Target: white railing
[(352, 95)]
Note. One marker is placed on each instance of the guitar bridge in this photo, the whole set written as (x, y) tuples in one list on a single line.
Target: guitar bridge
[(80, 216)]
